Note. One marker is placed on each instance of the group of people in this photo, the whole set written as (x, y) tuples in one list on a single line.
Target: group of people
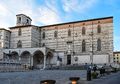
[(94, 68)]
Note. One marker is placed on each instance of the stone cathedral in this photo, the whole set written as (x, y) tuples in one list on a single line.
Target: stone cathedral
[(79, 42)]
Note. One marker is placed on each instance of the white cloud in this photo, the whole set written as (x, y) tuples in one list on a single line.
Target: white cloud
[(9, 9), (45, 14), (48, 13), (3, 10), (79, 6)]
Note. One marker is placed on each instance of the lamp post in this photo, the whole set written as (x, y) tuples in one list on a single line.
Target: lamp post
[(91, 34)]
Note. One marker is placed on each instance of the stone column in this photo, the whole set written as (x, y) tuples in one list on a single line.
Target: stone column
[(44, 66), (30, 61), (19, 56)]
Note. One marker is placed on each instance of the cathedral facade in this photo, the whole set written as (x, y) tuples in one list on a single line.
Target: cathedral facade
[(79, 42)]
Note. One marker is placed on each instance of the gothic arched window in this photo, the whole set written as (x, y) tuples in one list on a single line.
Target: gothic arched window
[(83, 31), (98, 29), (43, 35), (98, 45), (19, 44), (69, 32), (83, 46), (19, 32), (55, 34)]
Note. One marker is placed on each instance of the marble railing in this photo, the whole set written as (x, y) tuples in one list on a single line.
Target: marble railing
[(11, 66)]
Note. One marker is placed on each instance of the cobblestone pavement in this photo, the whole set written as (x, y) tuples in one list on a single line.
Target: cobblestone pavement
[(34, 77), (61, 77)]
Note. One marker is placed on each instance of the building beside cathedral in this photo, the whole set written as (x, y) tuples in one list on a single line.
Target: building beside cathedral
[(116, 57), (79, 42)]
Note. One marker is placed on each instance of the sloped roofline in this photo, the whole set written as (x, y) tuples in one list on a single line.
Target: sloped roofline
[(78, 21)]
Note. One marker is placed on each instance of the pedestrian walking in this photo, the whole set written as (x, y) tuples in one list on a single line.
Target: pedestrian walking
[(94, 68)]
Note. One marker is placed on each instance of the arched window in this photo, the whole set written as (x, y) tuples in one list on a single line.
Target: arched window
[(69, 32), (55, 34), (98, 45), (43, 35), (19, 44), (83, 46), (99, 29), (83, 31), (19, 32)]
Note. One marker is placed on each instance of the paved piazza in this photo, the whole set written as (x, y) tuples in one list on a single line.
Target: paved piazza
[(34, 77)]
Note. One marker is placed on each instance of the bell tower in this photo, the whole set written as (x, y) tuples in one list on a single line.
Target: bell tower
[(23, 20)]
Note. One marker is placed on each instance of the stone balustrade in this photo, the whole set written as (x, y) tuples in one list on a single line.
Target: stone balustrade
[(11, 66)]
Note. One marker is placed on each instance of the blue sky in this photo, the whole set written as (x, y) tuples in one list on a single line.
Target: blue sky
[(44, 12)]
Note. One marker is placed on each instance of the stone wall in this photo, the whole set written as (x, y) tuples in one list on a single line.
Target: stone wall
[(60, 43), (25, 37)]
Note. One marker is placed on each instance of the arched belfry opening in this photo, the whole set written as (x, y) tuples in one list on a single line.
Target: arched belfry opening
[(25, 57), (38, 59)]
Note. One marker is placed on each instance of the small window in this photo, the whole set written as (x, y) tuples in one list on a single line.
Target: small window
[(69, 32), (19, 19), (7, 38), (0, 36), (19, 44), (83, 23), (36, 44), (55, 34), (83, 31), (99, 29), (43, 35), (76, 58), (27, 21), (19, 32), (0, 31), (83, 46), (0, 44), (98, 45), (43, 45)]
